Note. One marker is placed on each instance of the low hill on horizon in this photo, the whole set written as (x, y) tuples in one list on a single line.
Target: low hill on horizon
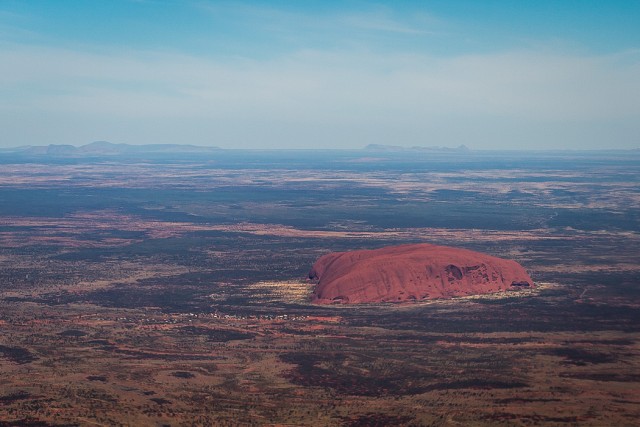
[(106, 148)]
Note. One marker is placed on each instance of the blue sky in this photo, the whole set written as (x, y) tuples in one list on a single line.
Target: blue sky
[(321, 74)]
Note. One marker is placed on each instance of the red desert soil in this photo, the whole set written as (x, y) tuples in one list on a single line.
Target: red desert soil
[(412, 272)]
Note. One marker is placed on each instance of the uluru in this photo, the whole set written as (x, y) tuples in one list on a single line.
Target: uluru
[(410, 273)]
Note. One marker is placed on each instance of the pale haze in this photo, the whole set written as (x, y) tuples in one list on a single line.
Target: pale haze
[(275, 74)]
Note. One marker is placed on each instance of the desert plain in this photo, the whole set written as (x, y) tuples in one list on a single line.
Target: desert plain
[(170, 290)]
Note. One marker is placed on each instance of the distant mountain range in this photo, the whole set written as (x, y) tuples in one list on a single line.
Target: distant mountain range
[(105, 148), (382, 147)]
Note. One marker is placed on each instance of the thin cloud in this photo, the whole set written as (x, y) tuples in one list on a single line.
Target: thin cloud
[(342, 27), (347, 97), (333, 87), (382, 19)]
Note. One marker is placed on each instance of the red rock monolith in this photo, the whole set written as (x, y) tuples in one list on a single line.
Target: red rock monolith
[(410, 273)]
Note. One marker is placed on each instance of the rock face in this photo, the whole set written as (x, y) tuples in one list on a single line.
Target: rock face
[(410, 273)]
